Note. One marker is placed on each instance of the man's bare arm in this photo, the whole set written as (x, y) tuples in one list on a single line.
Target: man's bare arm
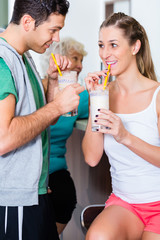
[(17, 131)]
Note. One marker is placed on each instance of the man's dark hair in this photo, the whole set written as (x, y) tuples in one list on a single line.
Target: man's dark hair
[(39, 10)]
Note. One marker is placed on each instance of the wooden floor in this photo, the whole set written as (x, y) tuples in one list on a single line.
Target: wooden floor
[(92, 184)]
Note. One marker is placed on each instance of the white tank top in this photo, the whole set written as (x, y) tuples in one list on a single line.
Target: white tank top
[(133, 179)]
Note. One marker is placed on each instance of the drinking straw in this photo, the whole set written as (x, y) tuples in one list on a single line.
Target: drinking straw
[(106, 78), (54, 59)]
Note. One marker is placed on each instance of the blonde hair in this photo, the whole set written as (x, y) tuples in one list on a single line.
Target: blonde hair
[(133, 31), (65, 47)]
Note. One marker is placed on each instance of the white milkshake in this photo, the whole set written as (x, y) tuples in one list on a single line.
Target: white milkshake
[(67, 78), (98, 99)]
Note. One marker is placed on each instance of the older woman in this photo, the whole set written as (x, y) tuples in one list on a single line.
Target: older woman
[(63, 193)]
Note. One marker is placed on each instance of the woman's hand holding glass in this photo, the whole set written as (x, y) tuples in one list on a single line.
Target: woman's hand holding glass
[(114, 126), (63, 62)]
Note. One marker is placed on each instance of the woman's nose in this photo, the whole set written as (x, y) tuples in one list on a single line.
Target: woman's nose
[(79, 65), (106, 53)]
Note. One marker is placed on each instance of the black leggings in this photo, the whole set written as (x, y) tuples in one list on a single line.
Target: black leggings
[(63, 195)]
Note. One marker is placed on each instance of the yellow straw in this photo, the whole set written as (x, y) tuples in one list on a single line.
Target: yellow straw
[(106, 78), (56, 64)]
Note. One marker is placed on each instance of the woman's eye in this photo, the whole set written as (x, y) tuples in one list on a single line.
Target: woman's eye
[(75, 58), (114, 45), (100, 45)]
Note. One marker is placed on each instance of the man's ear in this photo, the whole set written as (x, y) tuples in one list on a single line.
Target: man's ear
[(28, 22), (136, 47)]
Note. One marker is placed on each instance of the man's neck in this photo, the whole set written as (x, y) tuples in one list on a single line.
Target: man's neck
[(14, 37)]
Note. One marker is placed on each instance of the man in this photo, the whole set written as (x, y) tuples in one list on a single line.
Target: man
[(24, 208)]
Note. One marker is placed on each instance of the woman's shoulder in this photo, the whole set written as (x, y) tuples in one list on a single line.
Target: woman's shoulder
[(149, 83), (151, 88), (84, 96), (158, 103), (158, 94)]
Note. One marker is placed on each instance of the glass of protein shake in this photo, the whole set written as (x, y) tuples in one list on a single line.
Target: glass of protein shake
[(67, 78), (99, 99)]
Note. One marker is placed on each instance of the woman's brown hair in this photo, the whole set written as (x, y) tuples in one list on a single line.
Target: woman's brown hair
[(133, 31)]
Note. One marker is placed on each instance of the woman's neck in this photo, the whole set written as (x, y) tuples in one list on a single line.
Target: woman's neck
[(130, 81)]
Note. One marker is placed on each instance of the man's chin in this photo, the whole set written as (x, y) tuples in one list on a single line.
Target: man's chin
[(40, 51)]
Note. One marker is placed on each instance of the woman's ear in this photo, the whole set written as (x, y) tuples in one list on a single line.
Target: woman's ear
[(136, 47)]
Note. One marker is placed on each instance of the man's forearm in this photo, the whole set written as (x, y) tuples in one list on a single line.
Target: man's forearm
[(23, 129)]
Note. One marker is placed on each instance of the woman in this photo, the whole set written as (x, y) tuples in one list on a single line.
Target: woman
[(132, 137), (63, 192)]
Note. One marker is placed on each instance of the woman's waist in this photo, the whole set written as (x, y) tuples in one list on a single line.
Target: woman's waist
[(138, 184)]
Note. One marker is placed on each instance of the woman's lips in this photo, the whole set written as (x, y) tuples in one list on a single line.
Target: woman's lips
[(111, 63)]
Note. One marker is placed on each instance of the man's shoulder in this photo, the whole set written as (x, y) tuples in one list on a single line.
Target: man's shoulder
[(4, 69), (3, 64)]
